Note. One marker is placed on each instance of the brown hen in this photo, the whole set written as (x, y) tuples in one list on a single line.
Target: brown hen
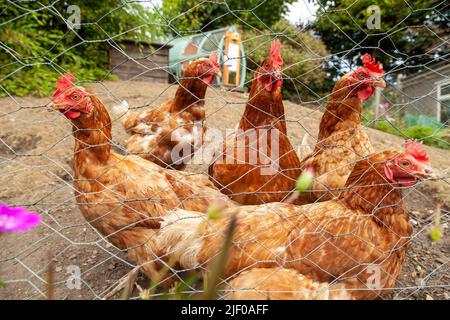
[(168, 135), (123, 197), (342, 141), (258, 164), (358, 240)]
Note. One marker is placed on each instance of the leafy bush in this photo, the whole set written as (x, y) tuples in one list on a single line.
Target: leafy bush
[(204, 16), (38, 46), (302, 53), (431, 136), (405, 31)]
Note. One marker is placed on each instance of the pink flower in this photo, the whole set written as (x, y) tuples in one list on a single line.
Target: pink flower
[(385, 106), (17, 219)]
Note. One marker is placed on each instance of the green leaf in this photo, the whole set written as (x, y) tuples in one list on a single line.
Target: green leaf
[(144, 295), (435, 233), (214, 212), (342, 25), (305, 180)]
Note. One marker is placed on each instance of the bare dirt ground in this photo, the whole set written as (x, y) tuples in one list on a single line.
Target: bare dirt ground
[(36, 148)]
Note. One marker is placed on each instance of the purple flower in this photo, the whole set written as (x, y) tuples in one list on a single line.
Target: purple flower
[(17, 219)]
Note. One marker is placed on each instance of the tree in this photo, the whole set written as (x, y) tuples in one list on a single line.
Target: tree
[(37, 43), (410, 34), (195, 15), (260, 22)]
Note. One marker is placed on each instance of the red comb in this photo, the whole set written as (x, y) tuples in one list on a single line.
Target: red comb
[(371, 64), (214, 58), (275, 54), (64, 82), (417, 150)]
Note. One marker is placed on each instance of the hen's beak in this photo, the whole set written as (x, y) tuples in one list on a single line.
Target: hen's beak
[(218, 73), (380, 83), (427, 173), (277, 74), (56, 106)]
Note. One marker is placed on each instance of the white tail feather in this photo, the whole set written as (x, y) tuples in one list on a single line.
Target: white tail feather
[(305, 149), (181, 236)]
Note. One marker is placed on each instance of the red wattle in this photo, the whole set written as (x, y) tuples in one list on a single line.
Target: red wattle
[(71, 114), (268, 85), (208, 79), (389, 174), (365, 93), (278, 84)]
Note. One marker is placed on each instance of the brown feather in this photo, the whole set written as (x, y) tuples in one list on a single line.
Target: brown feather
[(281, 284)]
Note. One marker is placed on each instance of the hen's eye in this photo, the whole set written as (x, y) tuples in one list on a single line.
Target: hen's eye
[(75, 96), (404, 163)]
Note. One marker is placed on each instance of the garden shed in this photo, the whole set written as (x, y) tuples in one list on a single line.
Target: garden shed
[(427, 93), (140, 60), (226, 41)]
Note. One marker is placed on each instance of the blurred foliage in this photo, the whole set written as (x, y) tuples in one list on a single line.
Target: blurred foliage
[(37, 45), (303, 57), (182, 290), (193, 16), (40, 46), (410, 34), (260, 22), (430, 135), (436, 231), (305, 180), (219, 262), (214, 212)]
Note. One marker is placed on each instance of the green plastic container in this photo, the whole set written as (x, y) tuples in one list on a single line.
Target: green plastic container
[(421, 120), (201, 45)]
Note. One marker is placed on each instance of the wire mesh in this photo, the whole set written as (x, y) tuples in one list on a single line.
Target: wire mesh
[(37, 160)]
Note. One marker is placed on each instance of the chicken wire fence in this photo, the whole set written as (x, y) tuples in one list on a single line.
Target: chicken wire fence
[(67, 258)]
